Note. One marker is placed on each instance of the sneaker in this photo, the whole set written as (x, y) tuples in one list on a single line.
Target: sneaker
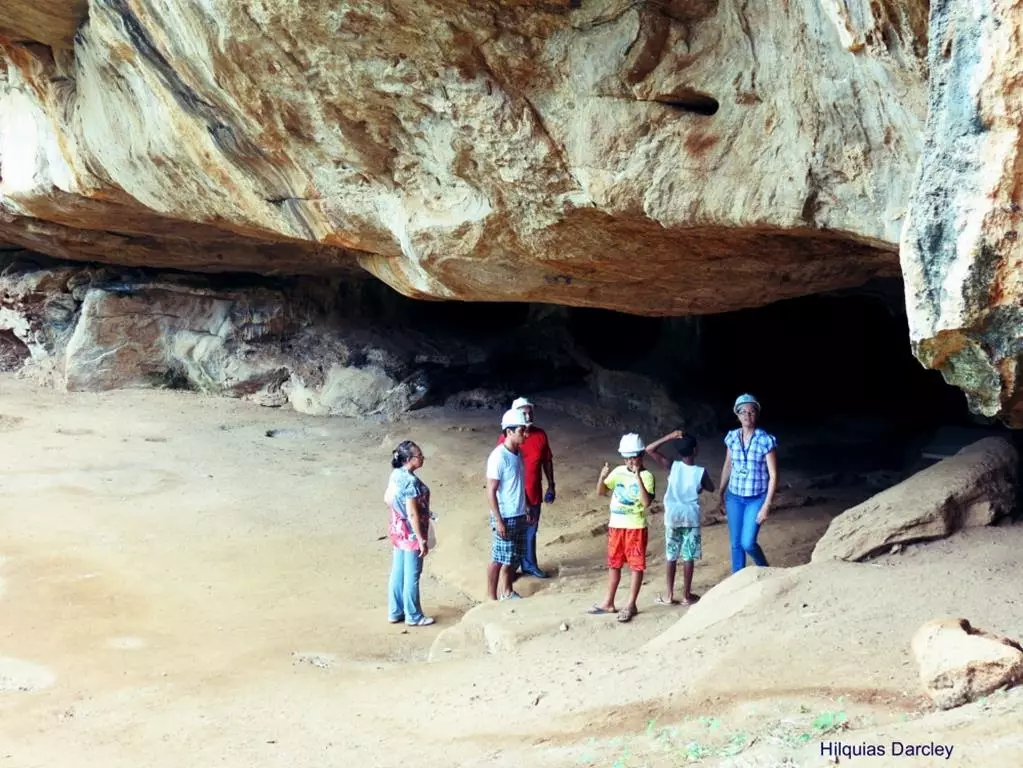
[(423, 622), (513, 595), (537, 574)]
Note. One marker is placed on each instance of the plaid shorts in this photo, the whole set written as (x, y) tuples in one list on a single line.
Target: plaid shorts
[(509, 551), (682, 544)]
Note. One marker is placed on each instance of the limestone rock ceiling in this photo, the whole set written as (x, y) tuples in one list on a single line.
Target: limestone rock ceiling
[(662, 157), (654, 157), (50, 22)]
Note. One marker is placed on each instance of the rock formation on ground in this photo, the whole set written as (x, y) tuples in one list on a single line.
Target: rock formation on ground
[(977, 486), (959, 663), (324, 347)]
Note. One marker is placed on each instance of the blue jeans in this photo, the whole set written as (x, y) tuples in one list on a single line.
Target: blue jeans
[(743, 529), (403, 590), (529, 564)]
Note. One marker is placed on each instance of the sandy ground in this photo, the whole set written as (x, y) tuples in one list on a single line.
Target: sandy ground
[(193, 581)]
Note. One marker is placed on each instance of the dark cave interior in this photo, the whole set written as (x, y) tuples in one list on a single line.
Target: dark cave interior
[(836, 364)]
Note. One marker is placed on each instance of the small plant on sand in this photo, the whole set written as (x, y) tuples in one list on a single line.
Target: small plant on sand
[(694, 751), (796, 731), (739, 742), (830, 722)]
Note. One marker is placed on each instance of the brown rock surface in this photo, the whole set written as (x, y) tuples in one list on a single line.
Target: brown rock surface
[(959, 663), (974, 487), (962, 254), (659, 158), (51, 22)]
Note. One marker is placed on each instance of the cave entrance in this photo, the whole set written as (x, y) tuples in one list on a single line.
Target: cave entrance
[(842, 354), (832, 370)]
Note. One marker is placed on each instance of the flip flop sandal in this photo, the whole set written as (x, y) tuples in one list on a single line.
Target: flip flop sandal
[(596, 610), (692, 600), (661, 601), (625, 615)]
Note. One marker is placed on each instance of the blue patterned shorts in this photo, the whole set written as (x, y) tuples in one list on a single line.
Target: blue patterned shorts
[(684, 544), (509, 551)]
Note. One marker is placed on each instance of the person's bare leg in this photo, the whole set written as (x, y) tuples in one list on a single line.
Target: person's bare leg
[(687, 582), (670, 578), (637, 582), (493, 571), (614, 576), (506, 579)]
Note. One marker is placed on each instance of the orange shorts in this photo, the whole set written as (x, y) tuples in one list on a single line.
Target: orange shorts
[(626, 545)]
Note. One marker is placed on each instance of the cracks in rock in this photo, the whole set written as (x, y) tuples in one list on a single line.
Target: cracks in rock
[(289, 199), (601, 21), (744, 26), (140, 39), (235, 146), (555, 146)]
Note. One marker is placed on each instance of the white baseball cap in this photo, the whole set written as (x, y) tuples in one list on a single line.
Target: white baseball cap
[(631, 445), (513, 418), (521, 402)]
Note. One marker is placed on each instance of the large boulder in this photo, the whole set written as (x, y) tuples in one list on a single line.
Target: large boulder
[(961, 244), (959, 663), (663, 158), (974, 487)]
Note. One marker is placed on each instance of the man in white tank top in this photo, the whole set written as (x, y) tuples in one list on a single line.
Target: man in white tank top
[(682, 538)]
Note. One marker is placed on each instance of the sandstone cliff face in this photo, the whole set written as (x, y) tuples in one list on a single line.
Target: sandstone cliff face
[(962, 254), (655, 157)]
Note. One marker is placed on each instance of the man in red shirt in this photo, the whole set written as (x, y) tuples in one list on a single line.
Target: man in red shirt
[(536, 455)]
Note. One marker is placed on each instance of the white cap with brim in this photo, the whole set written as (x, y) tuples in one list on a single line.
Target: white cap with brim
[(631, 445), (521, 402), (513, 418)]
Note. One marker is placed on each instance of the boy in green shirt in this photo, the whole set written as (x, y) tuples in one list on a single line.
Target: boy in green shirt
[(632, 492)]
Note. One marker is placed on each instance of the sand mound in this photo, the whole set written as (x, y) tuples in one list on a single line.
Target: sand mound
[(20, 675)]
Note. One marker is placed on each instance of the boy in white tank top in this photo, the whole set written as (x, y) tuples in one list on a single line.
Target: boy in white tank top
[(682, 538)]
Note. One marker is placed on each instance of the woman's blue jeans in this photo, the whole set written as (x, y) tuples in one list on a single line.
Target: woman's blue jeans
[(743, 529), (403, 590)]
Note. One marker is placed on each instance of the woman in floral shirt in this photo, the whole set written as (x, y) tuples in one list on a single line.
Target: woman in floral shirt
[(408, 499), (748, 482)]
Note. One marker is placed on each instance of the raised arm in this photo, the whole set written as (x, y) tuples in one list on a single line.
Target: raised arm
[(601, 485), (660, 458), (644, 495)]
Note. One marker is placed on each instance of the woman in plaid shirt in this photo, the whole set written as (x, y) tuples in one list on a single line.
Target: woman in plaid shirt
[(748, 481)]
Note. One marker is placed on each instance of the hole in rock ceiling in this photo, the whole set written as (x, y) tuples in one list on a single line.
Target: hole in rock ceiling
[(693, 101)]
